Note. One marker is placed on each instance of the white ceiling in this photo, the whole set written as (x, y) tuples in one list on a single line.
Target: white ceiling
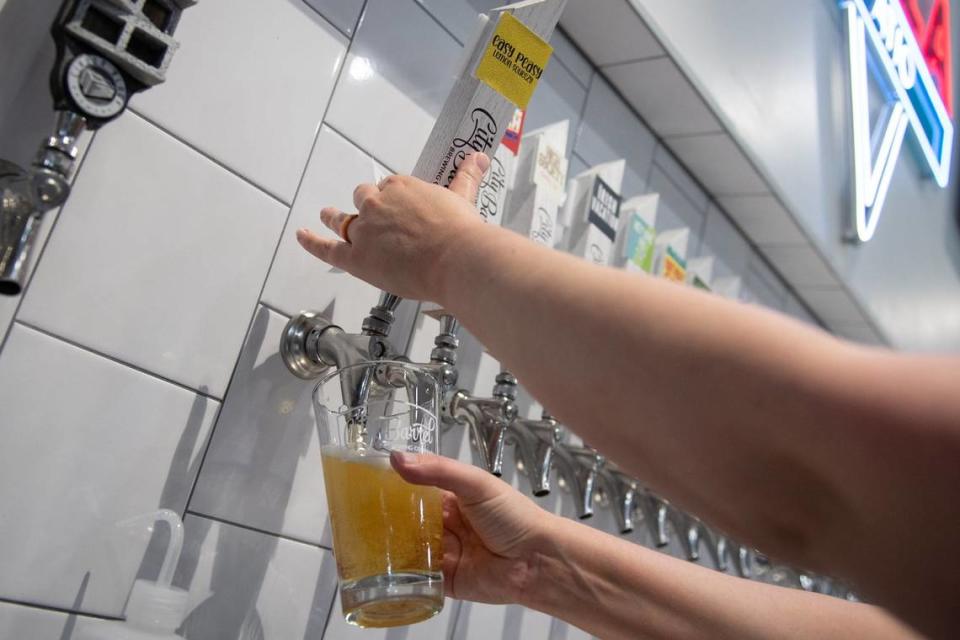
[(638, 63)]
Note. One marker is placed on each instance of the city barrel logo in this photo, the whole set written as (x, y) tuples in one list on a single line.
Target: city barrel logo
[(904, 45)]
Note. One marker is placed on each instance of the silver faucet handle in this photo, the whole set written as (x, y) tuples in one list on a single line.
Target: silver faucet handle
[(506, 386), (446, 343), (449, 325), (381, 317)]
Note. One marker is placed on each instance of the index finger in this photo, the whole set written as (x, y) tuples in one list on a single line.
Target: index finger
[(470, 484), (362, 192)]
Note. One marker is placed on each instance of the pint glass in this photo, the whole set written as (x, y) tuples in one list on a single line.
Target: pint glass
[(387, 533)]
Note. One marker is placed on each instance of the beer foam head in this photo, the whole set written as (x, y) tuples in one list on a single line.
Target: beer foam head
[(365, 456)]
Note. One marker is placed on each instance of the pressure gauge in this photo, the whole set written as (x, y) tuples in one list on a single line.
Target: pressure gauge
[(96, 86)]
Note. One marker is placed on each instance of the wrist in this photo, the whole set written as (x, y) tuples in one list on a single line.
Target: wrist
[(467, 240), (550, 565)]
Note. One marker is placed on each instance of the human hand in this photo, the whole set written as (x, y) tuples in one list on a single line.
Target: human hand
[(494, 536), (405, 229)]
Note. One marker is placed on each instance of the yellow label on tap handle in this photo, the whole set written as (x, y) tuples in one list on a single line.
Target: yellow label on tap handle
[(514, 61)]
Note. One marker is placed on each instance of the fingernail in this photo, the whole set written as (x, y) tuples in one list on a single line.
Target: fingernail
[(403, 458), (483, 162)]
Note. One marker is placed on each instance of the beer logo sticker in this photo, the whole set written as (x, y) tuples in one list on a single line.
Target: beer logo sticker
[(674, 267), (514, 61), (604, 211)]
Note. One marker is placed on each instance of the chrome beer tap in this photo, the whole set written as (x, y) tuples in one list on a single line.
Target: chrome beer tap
[(536, 441), (623, 493), (688, 530), (311, 345), (105, 53), (579, 468), (487, 419), (655, 514), (726, 552)]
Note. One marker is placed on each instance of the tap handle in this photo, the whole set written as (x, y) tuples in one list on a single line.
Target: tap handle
[(506, 386), (381, 317), (449, 325), (446, 343)]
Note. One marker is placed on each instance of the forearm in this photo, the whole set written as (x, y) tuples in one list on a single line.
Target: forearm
[(695, 395), (614, 589), (776, 433)]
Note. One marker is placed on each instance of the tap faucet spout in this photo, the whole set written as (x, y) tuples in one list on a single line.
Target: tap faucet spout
[(688, 531), (487, 419), (579, 468), (25, 195), (623, 493), (655, 515), (536, 440)]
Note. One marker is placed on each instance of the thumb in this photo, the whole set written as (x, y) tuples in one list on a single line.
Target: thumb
[(470, 484), (466, 183)]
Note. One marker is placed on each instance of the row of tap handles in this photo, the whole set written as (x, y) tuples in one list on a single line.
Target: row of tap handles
[(542, 449)]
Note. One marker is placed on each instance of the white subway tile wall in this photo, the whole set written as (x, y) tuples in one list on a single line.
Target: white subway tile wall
[(249, 87), (262, 468), (399, 70), (247, 584), (170, 274), (88, 444), (298, 280), (722, 240), (154, 226), (611, 131)]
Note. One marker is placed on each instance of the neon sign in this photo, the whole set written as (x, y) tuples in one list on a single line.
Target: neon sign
[(915, 85)]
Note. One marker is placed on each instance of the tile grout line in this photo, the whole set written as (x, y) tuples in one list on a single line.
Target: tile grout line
[(270, 307), (359, 147), (326, 622), (653, 162), (327, 20), (583, 113), (55, 609), (679, 187), (580, 52), (46, 242), (247, 527), (116, 360), (455, 619), (614, 65), (439, 23), (207, 156), (273, 259), (695, 134)]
